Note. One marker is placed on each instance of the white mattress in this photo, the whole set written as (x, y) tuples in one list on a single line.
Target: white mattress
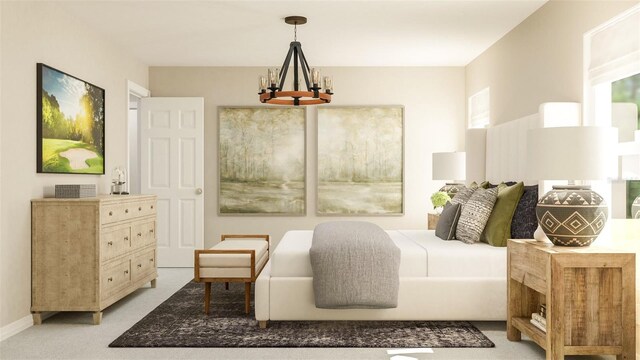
[(454, 258), (422, 254), (291, 256)]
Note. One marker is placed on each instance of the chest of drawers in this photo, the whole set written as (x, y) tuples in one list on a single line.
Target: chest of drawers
[(88, 253)]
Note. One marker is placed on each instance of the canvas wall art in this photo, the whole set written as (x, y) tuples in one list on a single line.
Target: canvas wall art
[(360, 160), (262, 164), (70, 128)]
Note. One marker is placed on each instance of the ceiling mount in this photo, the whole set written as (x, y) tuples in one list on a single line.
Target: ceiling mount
[(276, 78), (295, 20)]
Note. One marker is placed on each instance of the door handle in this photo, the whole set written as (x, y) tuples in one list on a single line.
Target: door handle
[(199, 191)]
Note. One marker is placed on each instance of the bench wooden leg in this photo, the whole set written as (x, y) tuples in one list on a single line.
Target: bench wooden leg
[(247, 297), (207, 297), (262, 324), (226, 285)]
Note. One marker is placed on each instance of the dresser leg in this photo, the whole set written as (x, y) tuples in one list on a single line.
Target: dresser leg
[(262, 324), (154, 283), (97, 317), (37, 318)]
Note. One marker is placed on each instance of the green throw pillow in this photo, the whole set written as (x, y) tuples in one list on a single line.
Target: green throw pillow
[(498, 228)]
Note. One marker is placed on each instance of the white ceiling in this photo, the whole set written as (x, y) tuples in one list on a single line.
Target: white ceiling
[(339, 33)]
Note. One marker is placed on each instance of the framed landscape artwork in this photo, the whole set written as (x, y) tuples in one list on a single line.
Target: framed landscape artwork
[(70, 129), (262, 162), (360, 160)]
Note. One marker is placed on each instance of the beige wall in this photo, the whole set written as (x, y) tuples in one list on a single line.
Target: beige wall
[(540, 60), (39, 32), (434, 121)]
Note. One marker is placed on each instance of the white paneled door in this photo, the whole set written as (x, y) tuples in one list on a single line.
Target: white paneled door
[(172, 167)]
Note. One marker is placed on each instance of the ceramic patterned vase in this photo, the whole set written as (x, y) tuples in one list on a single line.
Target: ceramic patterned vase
[(451, 189), (635, 208), (572, 215)]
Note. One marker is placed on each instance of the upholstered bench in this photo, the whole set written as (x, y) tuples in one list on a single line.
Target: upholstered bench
[(236, 258)]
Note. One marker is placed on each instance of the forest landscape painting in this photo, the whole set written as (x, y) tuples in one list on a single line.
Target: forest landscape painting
[(262, 161), (360, 160), (70, 125)]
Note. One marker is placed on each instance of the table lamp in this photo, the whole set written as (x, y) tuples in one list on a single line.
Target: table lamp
[(449, 166), (572, 215)]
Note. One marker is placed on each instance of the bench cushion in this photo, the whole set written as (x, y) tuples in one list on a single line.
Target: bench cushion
[(233, 265)]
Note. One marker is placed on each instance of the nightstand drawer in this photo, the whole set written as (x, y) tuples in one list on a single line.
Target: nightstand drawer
[(529, 267)]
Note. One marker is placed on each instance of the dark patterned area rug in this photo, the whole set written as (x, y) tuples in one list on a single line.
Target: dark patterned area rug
[(180, 322)]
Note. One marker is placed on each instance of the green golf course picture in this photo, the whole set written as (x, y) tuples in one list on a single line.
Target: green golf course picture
[(70, 124)]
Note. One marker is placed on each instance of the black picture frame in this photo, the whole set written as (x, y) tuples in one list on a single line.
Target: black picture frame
[(70, 124)]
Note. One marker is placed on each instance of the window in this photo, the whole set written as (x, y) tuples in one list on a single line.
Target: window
[(479, 106)]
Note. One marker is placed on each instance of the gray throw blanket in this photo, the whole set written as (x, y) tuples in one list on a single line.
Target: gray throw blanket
[(355, 266)]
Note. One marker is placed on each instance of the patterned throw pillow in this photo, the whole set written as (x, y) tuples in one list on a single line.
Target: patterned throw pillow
[(524, 222), (463, 196), (446, 227), (475, 214)]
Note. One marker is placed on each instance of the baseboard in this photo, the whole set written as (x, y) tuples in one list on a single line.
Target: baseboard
[(15, 327)]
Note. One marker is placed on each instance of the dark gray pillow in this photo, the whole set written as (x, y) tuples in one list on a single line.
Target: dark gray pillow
[(524, 222), (475, 214), (446, 228)]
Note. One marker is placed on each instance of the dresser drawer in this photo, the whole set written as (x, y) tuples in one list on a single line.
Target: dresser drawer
[(129, 210), (143, 264), (115, 277), (145, 208), (143, 233), (114, 243)]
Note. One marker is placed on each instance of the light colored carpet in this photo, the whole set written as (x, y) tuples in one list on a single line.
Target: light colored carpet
[(70, 336)]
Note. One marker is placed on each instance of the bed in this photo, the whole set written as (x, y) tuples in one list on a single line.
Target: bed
[(439, 280)]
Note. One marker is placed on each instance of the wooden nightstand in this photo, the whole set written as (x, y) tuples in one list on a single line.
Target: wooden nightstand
[(589, 294), (432, 221)]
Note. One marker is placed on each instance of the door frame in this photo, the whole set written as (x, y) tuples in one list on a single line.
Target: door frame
[(138, 91)]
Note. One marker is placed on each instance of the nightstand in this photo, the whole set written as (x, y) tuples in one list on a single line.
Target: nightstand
[(432, 221), (589, 294)]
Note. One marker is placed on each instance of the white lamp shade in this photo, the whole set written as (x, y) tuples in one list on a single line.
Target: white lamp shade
[(448, 166), (572, 153)]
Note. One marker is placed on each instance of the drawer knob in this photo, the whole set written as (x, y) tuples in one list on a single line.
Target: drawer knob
[(139, 265), (110, 213), (110, 243), (110, 279), (126, 238), (140, 208), (126, 271), (139, 234), (152, 206), (151, 259), (151, 231), (126, 211)]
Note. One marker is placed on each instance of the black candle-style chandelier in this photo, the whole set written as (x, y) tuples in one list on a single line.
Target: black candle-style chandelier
[(276, 78)]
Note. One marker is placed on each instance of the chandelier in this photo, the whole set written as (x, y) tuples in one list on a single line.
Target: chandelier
[(275, 80)]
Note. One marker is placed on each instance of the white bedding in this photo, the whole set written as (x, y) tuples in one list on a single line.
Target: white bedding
[(422, 254), (454, 258)]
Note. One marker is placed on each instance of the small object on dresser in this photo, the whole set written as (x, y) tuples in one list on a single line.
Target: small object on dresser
[(75, 191)]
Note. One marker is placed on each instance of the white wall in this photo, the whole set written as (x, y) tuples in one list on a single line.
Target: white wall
[(434, 121), (540, 60), (39, 32)]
